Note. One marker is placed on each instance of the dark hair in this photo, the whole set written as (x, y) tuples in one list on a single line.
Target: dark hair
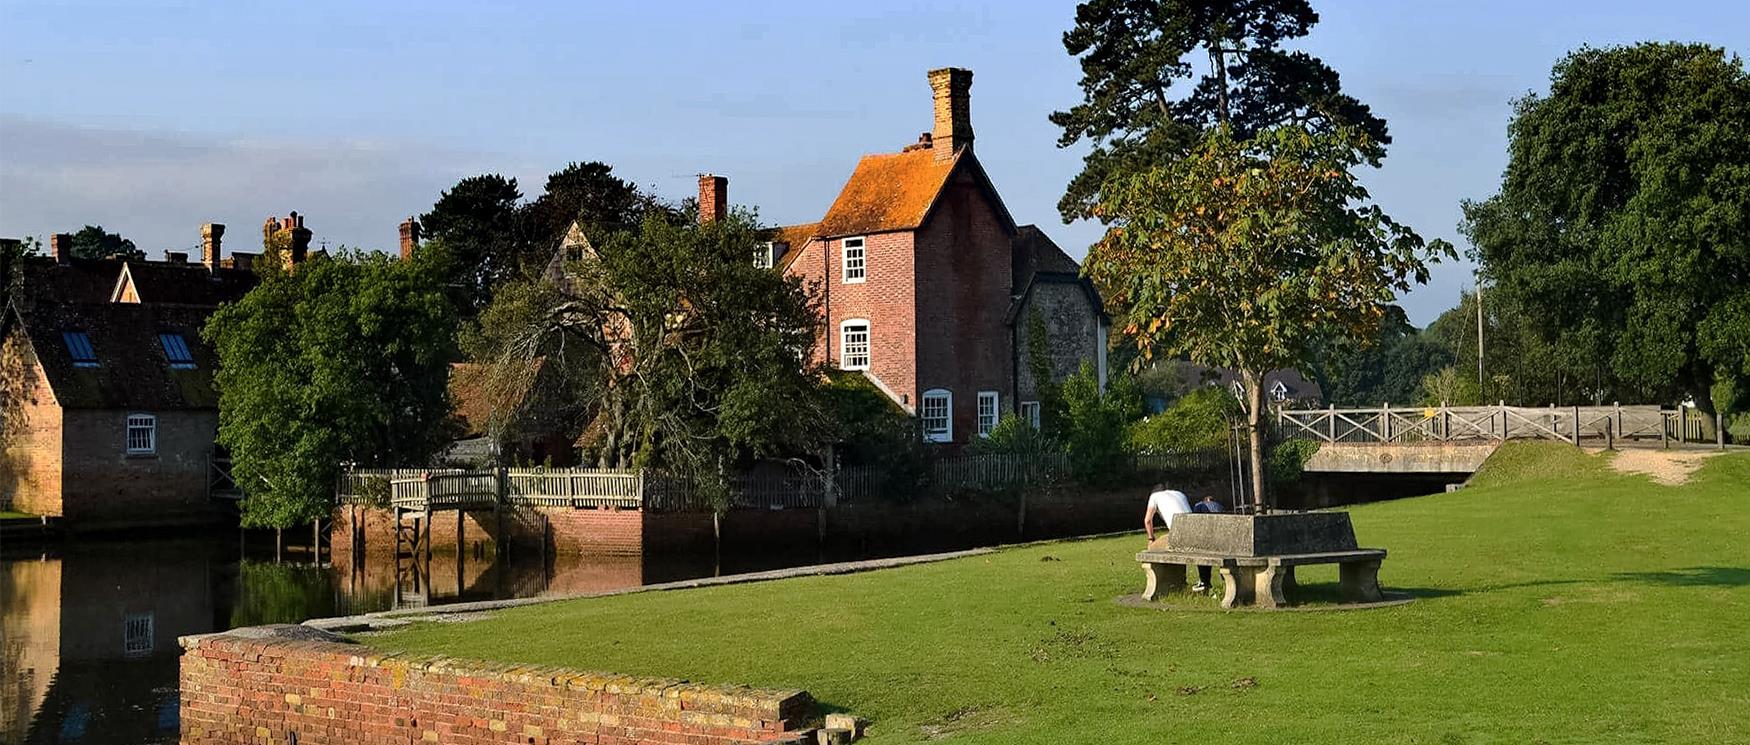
[(1160, 486)]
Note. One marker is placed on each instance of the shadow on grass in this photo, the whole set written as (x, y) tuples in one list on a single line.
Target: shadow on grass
[(1692, 577)]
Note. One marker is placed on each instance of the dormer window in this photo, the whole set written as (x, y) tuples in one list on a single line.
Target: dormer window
[(1279, 392), (763, 258), (79, 348), (176, 351)]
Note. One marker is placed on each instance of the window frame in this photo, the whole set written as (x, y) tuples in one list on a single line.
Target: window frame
[(946, 433), (78, 343), (765, 259), (138, 634), (845, 345), (996, 412), (145, 422), (186, 361), (1030, 411), (862, 260)]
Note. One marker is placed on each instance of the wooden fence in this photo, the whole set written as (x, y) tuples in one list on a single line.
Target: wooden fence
[(1501, 422), (421, 490)]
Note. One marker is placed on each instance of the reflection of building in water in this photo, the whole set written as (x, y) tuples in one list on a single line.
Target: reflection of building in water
[(90, 640)]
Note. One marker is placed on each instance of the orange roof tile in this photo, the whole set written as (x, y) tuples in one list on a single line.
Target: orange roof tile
[(887, 192), (797, 236)]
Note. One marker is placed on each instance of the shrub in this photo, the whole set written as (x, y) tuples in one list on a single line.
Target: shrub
[(1016, 436), (1096, 434), (1198, 421), (1287, 461)]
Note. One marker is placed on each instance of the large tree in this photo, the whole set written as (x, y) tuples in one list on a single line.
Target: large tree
[(93, 242), (1135, 53), (1247, 254), (342, 359), (1622, 226), (670, 348)]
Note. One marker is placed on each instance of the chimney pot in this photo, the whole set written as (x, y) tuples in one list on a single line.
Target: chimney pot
[(176, 257), (61, 247), (212, 234), (300, 239), (713, 198), (409, 238), (951, 89)]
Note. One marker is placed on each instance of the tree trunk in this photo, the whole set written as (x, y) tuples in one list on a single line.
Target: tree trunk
[(1254, 383)]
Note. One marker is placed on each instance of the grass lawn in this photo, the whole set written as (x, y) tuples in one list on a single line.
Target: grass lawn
[(9, 514), (1558, 601)]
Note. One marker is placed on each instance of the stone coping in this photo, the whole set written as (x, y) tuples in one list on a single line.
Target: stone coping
[(382, 620)]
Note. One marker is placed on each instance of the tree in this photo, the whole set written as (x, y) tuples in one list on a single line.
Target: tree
[(1096, 425), (93, 242), (1244, 253), (337, 360), (676, 350), (1622, 226), (1132, 54)]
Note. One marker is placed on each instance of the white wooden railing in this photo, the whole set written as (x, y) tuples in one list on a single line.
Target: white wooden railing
[(1388, 424)]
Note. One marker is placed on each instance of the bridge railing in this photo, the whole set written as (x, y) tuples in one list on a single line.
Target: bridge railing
[(1388, 424)]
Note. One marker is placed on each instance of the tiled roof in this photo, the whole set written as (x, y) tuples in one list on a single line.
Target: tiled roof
[(189, 284), (887, 192), (132, 371), (796, 236), (1036, 252)]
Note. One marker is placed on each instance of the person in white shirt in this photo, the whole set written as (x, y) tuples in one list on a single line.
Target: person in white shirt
[(1168, 504)]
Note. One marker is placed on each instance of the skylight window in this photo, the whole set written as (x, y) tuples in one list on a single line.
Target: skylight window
[(176, 350), (79, 347)]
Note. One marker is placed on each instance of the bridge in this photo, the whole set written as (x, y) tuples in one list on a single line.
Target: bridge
[(1457, 439)]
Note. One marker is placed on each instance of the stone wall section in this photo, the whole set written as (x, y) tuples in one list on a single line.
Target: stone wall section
[(293, 684), (30, 433), (1071, 333), (107, 486)]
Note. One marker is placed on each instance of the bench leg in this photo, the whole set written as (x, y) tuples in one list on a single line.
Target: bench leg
[(1161, 579), (1238, 584), (1360, 581), (1267, 586)]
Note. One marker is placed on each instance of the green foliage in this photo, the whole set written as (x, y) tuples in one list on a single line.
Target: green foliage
[(1738, 426), (1014, 435), (1096, 425), (1288, 459), (1045, 384), (1449, 386), (868, 429), (93, 242), (280, 593), (1132, 52), (669, 346), (342, 360), (1200, 421), (1622, 226), (1388, 368)]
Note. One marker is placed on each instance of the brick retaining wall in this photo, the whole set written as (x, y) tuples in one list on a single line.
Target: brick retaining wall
[(284, 684)]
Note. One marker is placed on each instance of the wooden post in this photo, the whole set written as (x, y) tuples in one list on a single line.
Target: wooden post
[(279, 542), (1720, 429), (1576, 426), (1385, 422), (1609, 435), (1618, 406), (1664, 431), (1331, 422)]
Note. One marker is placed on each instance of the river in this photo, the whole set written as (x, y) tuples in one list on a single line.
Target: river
[(88, 628)]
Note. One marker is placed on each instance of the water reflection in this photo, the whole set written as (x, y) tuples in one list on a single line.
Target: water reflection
[(88, 629)]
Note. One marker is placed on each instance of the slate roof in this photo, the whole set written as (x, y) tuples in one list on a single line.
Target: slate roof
[(1037, 258), (42, 279), (132, 370), (888, 192)]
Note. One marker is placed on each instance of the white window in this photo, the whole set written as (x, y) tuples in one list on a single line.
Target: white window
[(1030, 412), (142, 434), (938, 415), (137, 634), (987, 412), (1279, 392), (854, 345), (765, 257), (855, 266)]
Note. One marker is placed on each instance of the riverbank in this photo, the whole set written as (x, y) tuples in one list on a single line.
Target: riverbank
[(1558, 599)]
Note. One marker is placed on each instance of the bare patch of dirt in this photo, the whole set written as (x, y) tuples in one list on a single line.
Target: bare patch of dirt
[(1668, 467), (966, 719)]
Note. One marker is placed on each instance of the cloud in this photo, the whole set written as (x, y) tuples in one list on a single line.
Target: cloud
[(158, 187)]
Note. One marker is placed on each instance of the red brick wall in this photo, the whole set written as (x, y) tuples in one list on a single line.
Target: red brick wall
[(239, 690), (964, 273), (30, 422), (886, 298), (563, 530)]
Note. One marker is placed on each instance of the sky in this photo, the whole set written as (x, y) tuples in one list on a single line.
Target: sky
[(150, 118)]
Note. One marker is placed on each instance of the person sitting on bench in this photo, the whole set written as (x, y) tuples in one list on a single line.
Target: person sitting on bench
[(1207, 505)]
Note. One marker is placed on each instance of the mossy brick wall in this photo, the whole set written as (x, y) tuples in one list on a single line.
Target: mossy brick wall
[(247, 689)]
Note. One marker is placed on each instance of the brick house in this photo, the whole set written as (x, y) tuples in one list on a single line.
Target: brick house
[(927, 283), (109, 412)]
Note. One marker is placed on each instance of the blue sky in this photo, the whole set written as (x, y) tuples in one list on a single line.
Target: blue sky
[(151, 118)]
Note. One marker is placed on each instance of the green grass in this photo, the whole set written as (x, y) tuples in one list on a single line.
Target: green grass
[(9, 514), (1558, 601)]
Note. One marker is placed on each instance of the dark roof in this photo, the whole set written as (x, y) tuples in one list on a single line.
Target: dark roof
[(132, 371), (43, 280), (1036, 258), (888, 192), (188, 284), (1299, 388)]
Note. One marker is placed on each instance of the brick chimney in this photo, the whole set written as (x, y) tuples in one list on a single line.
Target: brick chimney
[(61, 247), (300, 239), (409, 238), (713, 197), (211, 235), (951, 87)]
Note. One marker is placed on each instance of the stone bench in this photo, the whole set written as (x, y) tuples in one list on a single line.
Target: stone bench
[(1262, 580)]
